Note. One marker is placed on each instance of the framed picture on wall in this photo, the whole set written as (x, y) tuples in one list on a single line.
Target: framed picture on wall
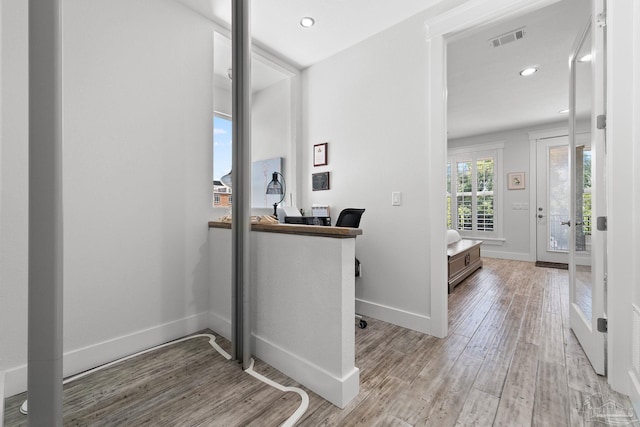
[(515, 181), (320, 154), (320, 181)]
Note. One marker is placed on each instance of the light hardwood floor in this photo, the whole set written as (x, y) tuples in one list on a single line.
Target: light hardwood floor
[(510, 359)]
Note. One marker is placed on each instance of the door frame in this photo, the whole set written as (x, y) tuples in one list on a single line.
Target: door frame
[(441, 29), (623, 106), (534, 137), (623, 20)]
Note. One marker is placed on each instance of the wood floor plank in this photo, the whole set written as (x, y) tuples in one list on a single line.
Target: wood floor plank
[(412, 400), (483, 337), (469, 324), (516, 403), (506, 339), (479, 409), (577, 398), (551, 406), (376, 403), (532, 320), (449, 399), (552, 342), (492, 376), (493, 373), (372, 376), (390, 421), (553, 303), (327, 414), (415, 361), (580, 375)]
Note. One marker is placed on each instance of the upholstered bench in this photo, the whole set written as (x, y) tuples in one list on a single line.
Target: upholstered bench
[(463, 257)]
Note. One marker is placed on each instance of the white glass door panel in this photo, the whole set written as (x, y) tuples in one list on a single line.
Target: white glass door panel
[(553, 194), (586, 159)]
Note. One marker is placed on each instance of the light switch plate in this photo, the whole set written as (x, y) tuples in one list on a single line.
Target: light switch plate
[(396, 198)]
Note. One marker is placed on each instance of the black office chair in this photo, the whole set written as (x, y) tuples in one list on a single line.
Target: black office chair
[(350, 217)]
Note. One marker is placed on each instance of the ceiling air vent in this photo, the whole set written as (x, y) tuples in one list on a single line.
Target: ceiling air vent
[(509, 37)]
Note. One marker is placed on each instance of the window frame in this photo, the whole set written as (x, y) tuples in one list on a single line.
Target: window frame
[(472, 154)]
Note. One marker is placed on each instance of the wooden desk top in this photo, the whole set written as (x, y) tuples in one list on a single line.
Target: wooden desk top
[(301, 230)]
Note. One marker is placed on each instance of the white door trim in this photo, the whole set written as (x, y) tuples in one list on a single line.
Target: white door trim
[(623, 161)]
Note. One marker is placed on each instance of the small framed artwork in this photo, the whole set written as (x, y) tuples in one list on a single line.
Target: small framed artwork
[(515, 181), (320, 181), (320, 154)]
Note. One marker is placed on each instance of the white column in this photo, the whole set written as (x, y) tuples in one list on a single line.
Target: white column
[(45, 214)]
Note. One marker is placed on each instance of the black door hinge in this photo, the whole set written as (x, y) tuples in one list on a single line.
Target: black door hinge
[(603, 325)]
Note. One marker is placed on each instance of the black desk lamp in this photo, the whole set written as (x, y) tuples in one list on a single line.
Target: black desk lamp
[(275, 187)]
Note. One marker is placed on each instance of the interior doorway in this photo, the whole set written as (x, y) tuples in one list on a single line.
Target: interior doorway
[(552, 196), (504, 107)]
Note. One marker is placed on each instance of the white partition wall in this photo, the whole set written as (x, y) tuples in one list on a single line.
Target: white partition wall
[(302, 292)]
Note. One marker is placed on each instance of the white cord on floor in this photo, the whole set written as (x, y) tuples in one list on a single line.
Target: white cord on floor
[(291, 421), (212, 341)]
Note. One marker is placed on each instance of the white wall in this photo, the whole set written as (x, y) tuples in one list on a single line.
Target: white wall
[(222, 100), (13, 183), (516, 223), (368, 103), (137, 170), (270, 119), (271, 122)]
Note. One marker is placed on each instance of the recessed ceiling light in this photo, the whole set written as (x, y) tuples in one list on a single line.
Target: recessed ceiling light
[(565, 111), (307, 22), (585, 58), (528, 71)]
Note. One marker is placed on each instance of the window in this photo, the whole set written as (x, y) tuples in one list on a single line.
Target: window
[(472, 196), (222, 149), (221, 145)]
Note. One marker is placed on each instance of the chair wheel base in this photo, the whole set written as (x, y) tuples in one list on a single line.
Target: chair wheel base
[(362, 324)]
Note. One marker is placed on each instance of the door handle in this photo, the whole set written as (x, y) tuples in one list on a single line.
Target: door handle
[(567, 223)]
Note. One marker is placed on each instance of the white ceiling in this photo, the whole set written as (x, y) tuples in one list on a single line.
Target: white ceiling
[(485, 92), (339, 23), (262, 74)]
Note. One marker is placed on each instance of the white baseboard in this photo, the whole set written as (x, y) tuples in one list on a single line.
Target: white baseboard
[(220, 325), (339, 391), (406, 319), (515, 256), (82, 359), (15, 380)]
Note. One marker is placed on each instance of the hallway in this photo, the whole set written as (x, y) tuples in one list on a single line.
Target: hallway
[(510, 359)]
